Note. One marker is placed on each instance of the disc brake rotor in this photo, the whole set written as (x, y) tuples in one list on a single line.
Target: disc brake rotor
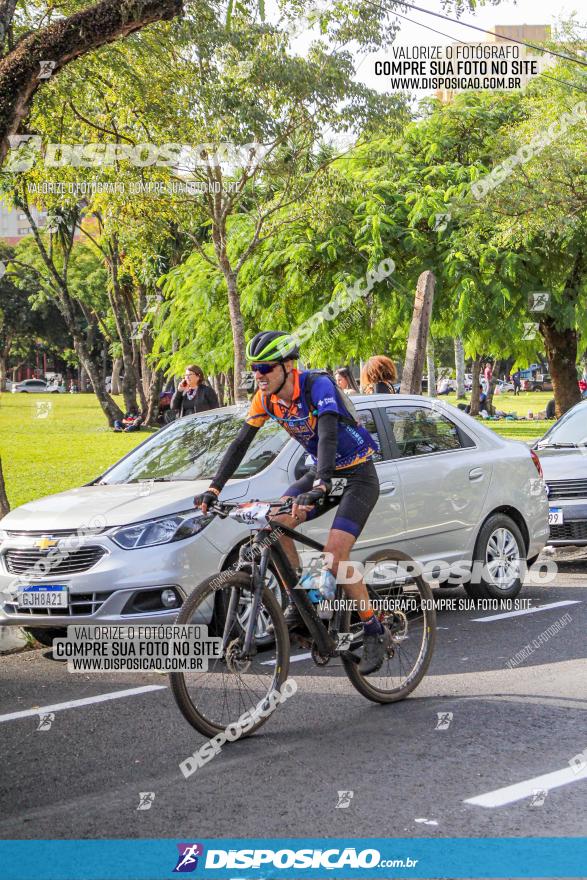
[(235, 662)]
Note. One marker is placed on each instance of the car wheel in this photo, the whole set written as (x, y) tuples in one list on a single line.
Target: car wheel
[(537, 388), (262, 637), (45, 635), (499, 554)]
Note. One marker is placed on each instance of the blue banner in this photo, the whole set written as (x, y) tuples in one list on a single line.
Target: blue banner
[(304, 858)]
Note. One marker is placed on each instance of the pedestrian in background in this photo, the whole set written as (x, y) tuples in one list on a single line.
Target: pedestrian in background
[(193, 393), (346, 381), (378, 375), (517, 380)]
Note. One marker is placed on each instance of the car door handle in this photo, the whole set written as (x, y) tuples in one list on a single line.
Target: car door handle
[(476, 474), (387, 488)]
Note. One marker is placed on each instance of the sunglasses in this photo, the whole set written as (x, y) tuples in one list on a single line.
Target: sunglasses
[(264, 369)]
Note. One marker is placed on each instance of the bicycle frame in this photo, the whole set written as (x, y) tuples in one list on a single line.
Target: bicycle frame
[(325, 643)]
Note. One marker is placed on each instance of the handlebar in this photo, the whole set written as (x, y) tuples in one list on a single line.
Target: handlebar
[(223, 508)]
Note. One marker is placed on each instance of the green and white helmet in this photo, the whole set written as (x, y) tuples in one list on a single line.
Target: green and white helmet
[(272, 346)]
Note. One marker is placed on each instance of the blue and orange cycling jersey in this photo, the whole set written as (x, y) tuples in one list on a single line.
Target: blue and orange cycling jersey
[(354, 445)]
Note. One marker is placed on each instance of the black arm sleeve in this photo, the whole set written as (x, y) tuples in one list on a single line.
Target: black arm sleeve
[(233, 456), (327, 443)]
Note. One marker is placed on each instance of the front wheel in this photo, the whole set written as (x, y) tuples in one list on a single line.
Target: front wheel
[(403, 601), (235, 691)]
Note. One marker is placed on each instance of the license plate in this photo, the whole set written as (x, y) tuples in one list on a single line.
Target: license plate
[(555, 516), (46, 596)]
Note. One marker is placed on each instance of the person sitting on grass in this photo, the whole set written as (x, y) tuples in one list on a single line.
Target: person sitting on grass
[(132, 421)]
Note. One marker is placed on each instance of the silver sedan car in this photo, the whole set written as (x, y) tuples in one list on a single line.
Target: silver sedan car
[(129, 546), (563, 456)]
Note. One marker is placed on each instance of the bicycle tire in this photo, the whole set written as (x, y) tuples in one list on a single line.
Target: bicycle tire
[(362, 683), (179, 687)]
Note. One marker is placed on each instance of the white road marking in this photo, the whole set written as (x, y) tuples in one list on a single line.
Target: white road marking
[(87, 701), (520, 790), (426, 821), (526, 611), (291, 659)]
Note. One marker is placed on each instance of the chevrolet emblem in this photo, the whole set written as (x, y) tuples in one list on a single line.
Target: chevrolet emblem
[(45, 543)]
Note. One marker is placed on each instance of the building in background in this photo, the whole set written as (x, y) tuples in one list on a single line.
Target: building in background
[(503, 35), (14, 223)]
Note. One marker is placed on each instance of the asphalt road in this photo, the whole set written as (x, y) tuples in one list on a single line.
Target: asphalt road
[(82, 777)]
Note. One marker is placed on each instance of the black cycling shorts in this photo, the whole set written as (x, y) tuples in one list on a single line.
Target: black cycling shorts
[(354, 492)]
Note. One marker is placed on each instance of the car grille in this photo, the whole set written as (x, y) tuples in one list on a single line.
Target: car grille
[(23, 559), (569, 531), (79, 603), (567, 488)]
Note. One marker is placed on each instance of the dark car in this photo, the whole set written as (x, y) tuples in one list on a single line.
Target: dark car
[(563, 456)]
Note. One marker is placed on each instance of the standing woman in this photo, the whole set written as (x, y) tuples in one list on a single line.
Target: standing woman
[(378, 375), (193, 393), (346, 381)]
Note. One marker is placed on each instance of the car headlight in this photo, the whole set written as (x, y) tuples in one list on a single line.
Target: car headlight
[(160, 531)]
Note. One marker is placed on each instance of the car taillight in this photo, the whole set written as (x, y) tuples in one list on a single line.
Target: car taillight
[(536, 461)]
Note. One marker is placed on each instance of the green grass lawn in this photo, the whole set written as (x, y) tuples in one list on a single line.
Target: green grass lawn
[(53, 442), (525, 402), (50, 443)]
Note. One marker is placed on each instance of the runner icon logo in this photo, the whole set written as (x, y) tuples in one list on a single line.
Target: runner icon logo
[(146, 799), (187, 860), (344, 799), (444, 720), (46, 720)]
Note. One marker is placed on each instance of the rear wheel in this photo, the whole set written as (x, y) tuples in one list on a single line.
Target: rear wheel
[(407, 609), (232, 685), (499, 553)]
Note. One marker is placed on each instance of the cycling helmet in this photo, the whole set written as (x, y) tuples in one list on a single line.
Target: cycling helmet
[(272, 345)]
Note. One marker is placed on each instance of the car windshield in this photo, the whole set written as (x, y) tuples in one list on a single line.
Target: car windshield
[(191, 449), (570, 430)]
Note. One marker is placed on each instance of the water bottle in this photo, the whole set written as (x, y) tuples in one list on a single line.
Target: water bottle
[(320, 586)]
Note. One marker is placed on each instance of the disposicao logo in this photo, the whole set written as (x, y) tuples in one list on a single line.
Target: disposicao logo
[(187, 860)]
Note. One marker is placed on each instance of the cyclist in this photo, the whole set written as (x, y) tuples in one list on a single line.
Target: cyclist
[(339, 446)]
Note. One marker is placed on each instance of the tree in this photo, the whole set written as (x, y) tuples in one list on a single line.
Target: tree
[(59, 43), (68, 275)]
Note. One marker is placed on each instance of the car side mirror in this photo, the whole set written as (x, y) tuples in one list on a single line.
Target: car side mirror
[(303, 465)]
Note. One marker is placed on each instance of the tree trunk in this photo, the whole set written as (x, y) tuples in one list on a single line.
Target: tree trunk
[(460, 366), (238, 338), (416, 349), (561, 352), (431, 367), (152, 398), (116, 297), (4, 505), (230, 387), (110, 408), (2, 373), (474, 411), (62, 42), (83, 380), (115, 382)]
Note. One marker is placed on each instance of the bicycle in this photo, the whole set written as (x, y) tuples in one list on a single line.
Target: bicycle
[(234, 600)]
